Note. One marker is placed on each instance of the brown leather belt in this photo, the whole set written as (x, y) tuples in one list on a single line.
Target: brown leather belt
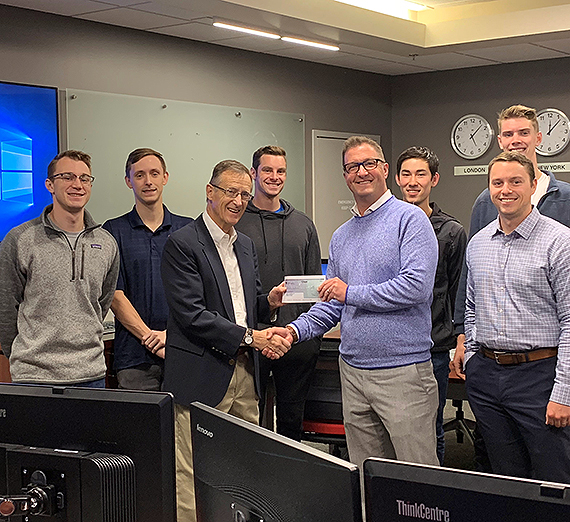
[(242, 350), (519, 357)]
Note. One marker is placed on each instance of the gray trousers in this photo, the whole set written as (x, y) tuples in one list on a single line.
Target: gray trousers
[(145, 377), (390, 413)]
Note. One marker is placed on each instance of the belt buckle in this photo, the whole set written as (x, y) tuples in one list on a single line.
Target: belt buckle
[(497, 355)]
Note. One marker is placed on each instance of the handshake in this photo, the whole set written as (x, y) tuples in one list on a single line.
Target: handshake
[(273, 342)]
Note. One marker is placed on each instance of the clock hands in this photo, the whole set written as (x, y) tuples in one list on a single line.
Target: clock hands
[(472, 135), (551, 128)]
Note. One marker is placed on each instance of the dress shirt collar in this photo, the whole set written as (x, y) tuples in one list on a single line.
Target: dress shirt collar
[(218, 235), (525, 228), (375, 206)]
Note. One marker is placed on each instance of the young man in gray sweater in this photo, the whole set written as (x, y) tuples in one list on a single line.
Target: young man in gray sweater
[(57, 279)]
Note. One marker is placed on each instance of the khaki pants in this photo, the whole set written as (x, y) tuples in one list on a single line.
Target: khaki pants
[(390, 413), (241, 401)]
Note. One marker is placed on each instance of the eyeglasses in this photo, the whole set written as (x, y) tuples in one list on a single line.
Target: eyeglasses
[(368, 164), (69, 177), (233, 193)]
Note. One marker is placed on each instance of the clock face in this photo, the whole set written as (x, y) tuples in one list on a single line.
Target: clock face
[(471, 136), (554, 126)]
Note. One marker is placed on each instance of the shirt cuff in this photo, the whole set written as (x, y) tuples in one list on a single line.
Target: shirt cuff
[(561, 394)]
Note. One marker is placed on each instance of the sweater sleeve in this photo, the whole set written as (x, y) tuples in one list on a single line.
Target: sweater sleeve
[(413, 284), (110, 283), (455, 261), (12, 285)]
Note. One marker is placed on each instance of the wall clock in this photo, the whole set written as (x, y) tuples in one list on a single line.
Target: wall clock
[(471, 136), (554, 126)]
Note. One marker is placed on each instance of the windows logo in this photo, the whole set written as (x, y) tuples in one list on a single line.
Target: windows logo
[(16, 179)]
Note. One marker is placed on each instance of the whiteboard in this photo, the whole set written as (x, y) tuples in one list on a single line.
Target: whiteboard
[(192, 137)]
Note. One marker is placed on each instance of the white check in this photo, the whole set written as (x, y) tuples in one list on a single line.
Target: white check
[(302, 289)]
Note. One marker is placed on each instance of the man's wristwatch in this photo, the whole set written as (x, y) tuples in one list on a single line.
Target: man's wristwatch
[(293, 333), (248, 337)]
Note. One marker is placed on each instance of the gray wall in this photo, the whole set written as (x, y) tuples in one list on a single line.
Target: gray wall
[(408, 110), (426, 106), (52, 50)]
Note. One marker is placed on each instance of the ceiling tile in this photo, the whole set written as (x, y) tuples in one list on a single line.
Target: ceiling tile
[(171, 10), (168, 17), (444, 61), (304, 52), (61, 7), (123, 3), (349, 61), (364, 63), (514, 53), (254, 43), (397, 69), (373, 53), (126, 17), (562, 45), (193, 31)]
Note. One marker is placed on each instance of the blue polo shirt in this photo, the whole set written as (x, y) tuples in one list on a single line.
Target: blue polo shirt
[(139, 278)]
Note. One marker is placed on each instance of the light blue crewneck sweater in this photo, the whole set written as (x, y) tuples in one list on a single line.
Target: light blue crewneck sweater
[(388, 258)]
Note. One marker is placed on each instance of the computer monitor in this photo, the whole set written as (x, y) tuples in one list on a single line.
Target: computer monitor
[(324, 266), (29, 139), (401, 492), (81, 441), (244, 473)]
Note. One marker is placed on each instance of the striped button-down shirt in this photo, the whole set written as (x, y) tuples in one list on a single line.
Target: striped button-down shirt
[(518, 292)]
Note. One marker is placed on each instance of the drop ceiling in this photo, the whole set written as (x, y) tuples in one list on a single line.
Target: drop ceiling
[(449, 35)]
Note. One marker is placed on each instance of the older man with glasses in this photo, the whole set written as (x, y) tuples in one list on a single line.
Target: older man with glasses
[(57, 279), (381, 271), (214, 297)]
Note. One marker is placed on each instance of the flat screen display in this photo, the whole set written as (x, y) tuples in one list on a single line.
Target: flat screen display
[(28, 142), (244, 473), (135, 424), (403, 492)]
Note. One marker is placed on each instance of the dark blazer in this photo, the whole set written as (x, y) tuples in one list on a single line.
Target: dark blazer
[(203, 339)]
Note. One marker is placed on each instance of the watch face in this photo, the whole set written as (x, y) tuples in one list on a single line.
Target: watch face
[(471, 136), (554, 126)]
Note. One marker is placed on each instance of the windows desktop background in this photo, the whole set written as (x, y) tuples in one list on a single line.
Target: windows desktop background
[(28, 142)]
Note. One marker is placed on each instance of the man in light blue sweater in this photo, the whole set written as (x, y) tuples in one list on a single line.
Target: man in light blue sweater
[(381, 271)]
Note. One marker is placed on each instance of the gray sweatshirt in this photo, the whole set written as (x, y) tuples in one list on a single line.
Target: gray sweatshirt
[(53, 298)]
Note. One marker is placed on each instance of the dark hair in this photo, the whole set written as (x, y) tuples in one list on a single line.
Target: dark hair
[(422, 153), (517, 157), (356, 141), (76, 155), (271, 150), (139, 154), (227, 166)]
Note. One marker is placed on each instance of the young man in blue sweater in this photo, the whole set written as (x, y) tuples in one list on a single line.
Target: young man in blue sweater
[(381, 271)]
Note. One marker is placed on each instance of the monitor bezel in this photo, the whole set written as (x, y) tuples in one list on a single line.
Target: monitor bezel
[(50, 408), (285, 448)]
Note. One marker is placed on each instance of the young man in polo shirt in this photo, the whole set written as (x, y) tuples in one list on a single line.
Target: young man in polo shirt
[(139, 303)]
